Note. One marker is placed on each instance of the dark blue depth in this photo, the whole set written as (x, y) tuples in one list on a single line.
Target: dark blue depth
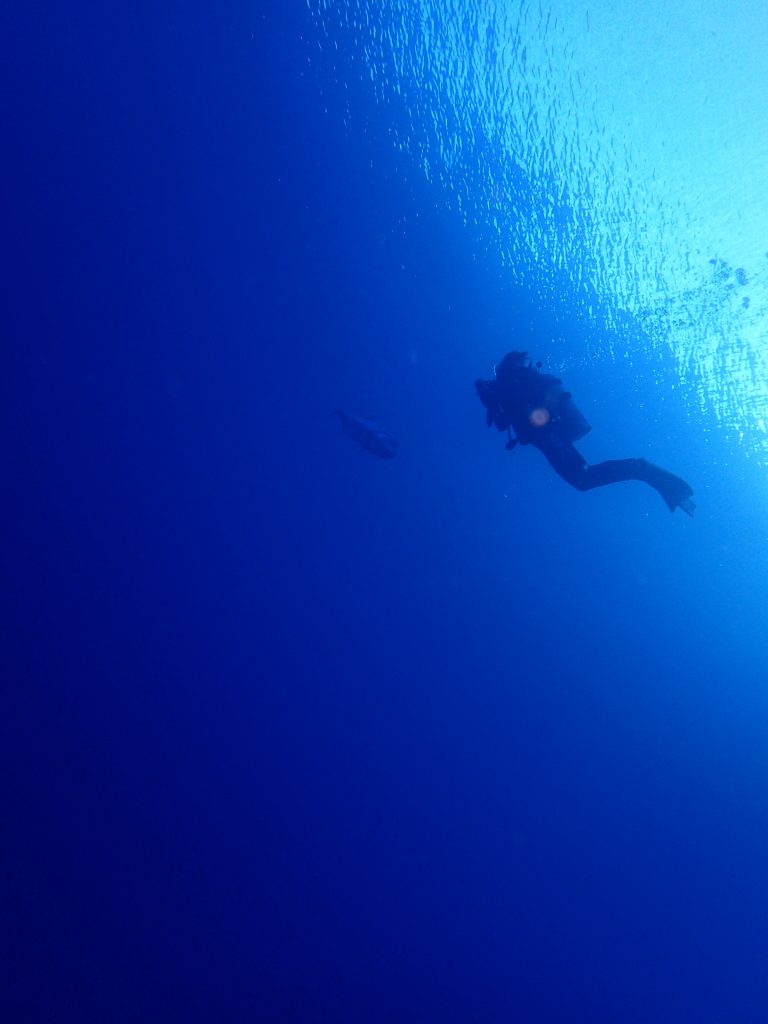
[(295, 734)]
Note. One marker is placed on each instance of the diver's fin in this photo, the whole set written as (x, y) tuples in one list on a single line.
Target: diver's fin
[(676, 494), (675, 491)]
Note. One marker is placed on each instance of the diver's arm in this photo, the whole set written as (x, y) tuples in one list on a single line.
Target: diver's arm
[(512, 442), (487, 391)]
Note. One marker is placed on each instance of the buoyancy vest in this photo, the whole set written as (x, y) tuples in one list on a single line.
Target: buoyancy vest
[(533, 402)]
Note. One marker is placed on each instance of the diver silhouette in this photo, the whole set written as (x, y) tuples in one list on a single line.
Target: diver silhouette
[(538, 410)]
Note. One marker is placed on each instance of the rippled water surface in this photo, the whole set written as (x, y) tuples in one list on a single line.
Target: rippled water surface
[(617, 160)]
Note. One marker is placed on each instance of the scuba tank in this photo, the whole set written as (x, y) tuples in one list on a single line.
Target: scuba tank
[(567, 422)]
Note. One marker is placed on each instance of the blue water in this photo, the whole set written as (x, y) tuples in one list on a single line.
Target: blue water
[(293, 733)]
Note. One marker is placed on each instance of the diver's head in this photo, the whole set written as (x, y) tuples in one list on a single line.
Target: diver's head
[(511, 361)]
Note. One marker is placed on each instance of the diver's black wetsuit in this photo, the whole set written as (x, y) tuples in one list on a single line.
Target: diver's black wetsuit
[(542, 414)]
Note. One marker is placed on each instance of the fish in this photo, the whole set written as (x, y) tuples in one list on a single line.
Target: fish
[(369, 434)]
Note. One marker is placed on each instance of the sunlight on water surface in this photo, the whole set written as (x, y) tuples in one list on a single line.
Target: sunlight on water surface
[(615, 156)]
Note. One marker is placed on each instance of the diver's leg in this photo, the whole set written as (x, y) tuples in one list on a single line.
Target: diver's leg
[(569, 464), (573, 468)]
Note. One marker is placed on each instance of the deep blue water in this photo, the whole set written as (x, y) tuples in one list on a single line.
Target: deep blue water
[(292, 733)]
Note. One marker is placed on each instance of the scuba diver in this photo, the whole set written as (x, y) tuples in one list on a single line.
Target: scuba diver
[(538, 410)]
